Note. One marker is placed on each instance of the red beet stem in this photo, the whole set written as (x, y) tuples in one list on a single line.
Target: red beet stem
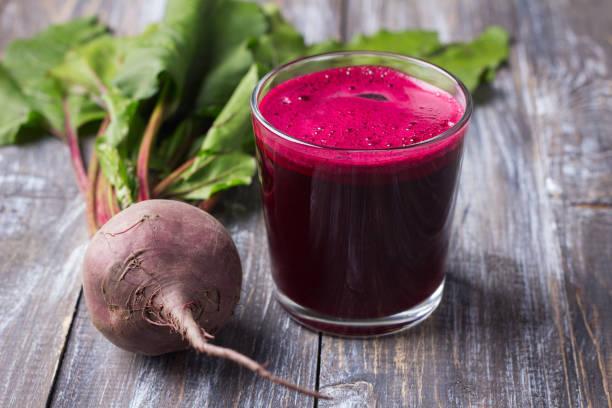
[(90, 198), (147, 142), (163, 185), (210, 203), (75, 151), (103, 211), (92, 175), (189, 189), (111, 196)]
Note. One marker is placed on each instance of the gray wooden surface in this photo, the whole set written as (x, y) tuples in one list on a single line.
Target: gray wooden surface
[(526, 316)]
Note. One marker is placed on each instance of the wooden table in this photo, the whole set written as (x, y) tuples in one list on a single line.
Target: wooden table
[(526, 316)]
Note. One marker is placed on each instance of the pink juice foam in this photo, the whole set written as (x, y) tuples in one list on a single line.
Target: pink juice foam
[(361, 107), (358, 199)]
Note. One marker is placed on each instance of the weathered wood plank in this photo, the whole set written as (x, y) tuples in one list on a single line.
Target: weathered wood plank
[(587, 255), (42, 240), (571, 109), (506, 333), (95, 373)]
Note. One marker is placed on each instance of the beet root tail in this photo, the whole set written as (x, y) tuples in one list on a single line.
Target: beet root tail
[(197, 337)]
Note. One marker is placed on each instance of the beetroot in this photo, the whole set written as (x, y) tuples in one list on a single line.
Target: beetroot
[(162, 276)]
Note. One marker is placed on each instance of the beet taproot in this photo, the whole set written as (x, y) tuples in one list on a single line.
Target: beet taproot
[(163, 276)]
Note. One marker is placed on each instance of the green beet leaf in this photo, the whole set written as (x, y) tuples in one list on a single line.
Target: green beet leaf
[(29, 61), (93, 65), (15, 110), (82, 109), (173, 147), (235, 26), (171, 51), (475, 61), (471, 62), (329, 45), (232, 128), (230, 135), (414, 43), (244, 33), (218, 173), (221, 81), (281, 44)]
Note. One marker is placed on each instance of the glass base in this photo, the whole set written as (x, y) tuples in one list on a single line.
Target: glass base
[(378, 326)]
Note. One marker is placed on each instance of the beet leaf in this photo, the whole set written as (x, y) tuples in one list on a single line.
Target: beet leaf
[(476, 61), (28, 62), (236, 25), (224, 158), (473, 62), (15, 109)]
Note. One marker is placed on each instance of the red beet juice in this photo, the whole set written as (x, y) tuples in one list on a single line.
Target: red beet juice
[(359, 193)]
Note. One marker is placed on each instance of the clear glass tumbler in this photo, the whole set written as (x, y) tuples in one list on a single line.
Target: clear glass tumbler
[(358, 238)]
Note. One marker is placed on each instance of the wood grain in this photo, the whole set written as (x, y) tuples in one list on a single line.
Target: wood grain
[(508, 330), (42, 240), (572, 110)]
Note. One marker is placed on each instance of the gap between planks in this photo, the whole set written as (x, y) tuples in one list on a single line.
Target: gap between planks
[(60, 360)]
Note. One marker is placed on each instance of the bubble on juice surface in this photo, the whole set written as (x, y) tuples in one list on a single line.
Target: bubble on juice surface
[(378, 102)]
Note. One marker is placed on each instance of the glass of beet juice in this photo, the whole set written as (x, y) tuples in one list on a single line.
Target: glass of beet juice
[(359, 156)]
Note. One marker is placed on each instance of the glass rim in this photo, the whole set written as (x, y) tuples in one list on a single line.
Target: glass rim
[(330, 55)]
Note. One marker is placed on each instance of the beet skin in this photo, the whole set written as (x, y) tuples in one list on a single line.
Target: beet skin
[(149, 265)]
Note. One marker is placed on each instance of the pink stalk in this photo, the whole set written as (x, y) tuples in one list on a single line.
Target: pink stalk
[(148, 139), (163, 185), (92, 175), (75, 151), (90, 198), (210, 203), (112, 200), (103, 211)]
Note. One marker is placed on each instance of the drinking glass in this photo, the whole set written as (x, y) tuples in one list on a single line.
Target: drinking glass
[(358, 238)]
